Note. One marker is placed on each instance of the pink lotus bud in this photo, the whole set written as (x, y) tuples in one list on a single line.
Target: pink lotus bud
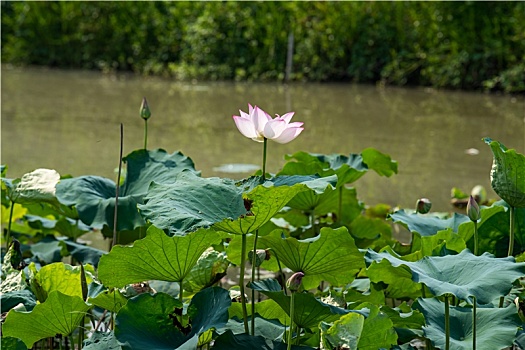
[(145, 112), (423, 205), (295, 281), (473, 209)]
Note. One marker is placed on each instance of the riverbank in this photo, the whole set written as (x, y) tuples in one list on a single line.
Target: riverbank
[(459, 45)]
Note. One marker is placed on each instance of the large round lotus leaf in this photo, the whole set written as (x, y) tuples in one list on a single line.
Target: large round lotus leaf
[(332, 256), (354, 331), (61, 277), (192, 202), (157, 321), (495, 327), (463, 275), (101, 341), (155, 257), (34, 187), (347, 168), (309, 311), (508, 174), (230, 341), (59, 314), (428, 225), (94, 196)]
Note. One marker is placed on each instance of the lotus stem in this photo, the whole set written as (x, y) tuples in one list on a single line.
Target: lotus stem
[(8, 236), (290, 331), (474, 324), (254, 261), (145, 134), (340, 210), (282, 274), (265, 146), (181, 293), (476, 241), (241, 284), (511, 233), (447, 324), (118, 185), (501, 301)]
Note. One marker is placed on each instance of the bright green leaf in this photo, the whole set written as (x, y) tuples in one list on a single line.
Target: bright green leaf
[(155, 257), (508, 174), (59, 314), (430, 224), (332, 256)]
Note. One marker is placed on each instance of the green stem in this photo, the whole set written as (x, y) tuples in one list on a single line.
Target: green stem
[(511, 233), (474, 324), (290, 331), (447, 324), (340, 210), (71, 341), (118, 185), (145, 134), (476, 242), (181, 293), (59, 344), (501, 301), (264, 159), (241, 284), (254, 261), (282, 274), (8, 237)]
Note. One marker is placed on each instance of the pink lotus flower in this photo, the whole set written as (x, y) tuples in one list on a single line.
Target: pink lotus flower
[(258, 125)]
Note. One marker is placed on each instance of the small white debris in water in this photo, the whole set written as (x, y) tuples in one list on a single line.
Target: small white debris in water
[(472, 151), (236, 168)]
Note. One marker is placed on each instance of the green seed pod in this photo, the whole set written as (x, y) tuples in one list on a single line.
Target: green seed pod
[(473, 209), (423, 205), (145, 112), (295, 281)]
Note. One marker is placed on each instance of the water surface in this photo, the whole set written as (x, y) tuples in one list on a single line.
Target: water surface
[(69, 121)]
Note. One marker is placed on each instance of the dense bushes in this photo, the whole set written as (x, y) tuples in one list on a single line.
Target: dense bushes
[(470, 45)]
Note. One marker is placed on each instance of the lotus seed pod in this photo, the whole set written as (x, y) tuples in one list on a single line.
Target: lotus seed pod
[(145, 112), (479, 193), (423, 205), (473, 209), (295, 281)]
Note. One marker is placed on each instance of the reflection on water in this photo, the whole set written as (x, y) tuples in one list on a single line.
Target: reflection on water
[(69, 121)]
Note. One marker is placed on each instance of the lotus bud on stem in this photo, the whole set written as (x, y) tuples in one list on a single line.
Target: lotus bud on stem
[(474, 215), (145, 113), (294, 284), (423, 205)]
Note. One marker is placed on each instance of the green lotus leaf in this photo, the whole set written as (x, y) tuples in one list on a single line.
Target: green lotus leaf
[(230, 341), (427, 225), (101, 341), (269, 329), (111, 300), (94, 196), (309, 311), (156, 321), (11, 299), (361, 290), (208, 270), (493, 229), (407, 321), (34, 187), (59, 314), (83, 253), (432, 245), (508, 174), (64, 225), (268, 309), (10, 343), (155, 257), (347, 168), (49, 250), (495, 327), (398, 279), (332, 256), (234, 250), (192, 202), (59, 277), (463, 275), (354, 331)]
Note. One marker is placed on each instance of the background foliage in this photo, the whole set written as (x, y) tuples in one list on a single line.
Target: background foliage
[(467, 45)]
